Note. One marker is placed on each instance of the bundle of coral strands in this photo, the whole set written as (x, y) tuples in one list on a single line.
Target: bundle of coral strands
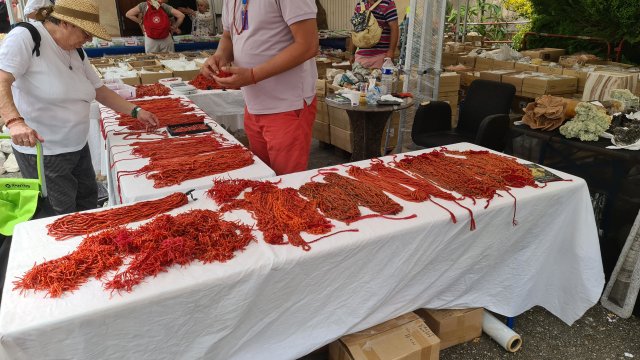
[(472, 174), (278, 212), (170, 111), (339, 198), (152, 90), (204, 83), (89, 222), (406, 187), (166, 170), (150, 249)]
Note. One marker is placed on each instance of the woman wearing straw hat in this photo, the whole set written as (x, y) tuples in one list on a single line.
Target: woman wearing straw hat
[(46, 96)]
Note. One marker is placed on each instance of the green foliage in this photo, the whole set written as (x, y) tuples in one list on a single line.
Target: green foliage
[(480, 11), (516, 41), (613, 20), (523, 8)]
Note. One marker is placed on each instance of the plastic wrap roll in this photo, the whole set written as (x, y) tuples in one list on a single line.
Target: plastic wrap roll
[(500, 333)]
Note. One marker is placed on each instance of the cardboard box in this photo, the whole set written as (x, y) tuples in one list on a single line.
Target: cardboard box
[(506, 65), (339, 118), (136, 64), (475, 40), (101, 61), (321, 89), (525, 67), (453, 327), (186, 75), (450, 97), (554, 70), (154, 76), (321, 131), (449, 81), (467, 78), (340, 138), (484, 64), (547, 54), (552, 84), (453, 47), (323, 112), (133, 81), (322, 64), (167, 56), (451, 58), (406, 337), (467, 61), (495, 75), (516, 80), (581, 75)]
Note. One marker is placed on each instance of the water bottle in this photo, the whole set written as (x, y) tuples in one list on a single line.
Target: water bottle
[(387, 76)]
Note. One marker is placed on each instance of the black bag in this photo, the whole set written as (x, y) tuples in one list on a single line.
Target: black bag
[(37, 39)]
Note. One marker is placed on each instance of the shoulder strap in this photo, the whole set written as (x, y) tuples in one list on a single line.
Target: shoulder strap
[(35, 35), (375, 5), (81, 53), (37, 39)]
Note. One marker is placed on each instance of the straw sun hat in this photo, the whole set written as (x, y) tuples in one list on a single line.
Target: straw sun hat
[(83, 14)]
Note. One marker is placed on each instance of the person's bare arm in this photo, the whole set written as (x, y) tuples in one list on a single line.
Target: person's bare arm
[(135, 15), (395, 35), (304, 47), (110, 99), (179, 19), (21, 133)]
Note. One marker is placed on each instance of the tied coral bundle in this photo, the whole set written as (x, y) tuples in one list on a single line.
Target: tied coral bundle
[(150, 249), (278, 212)]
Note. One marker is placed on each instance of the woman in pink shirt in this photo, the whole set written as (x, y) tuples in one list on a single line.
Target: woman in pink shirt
[(268, 47)]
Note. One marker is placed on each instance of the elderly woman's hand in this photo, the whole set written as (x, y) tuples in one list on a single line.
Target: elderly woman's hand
[(23, 135), (148, 119)]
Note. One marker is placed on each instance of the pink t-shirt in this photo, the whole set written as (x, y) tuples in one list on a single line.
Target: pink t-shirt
[(267, 35)]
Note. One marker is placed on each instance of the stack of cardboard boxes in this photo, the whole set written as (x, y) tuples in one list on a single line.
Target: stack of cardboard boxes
[(544, 77), (147, 67), (416, 335)]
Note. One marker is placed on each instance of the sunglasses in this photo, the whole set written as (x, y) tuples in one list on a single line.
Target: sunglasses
[(86, 34)]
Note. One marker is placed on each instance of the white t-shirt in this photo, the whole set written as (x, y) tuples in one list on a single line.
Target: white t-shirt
[(34, 5), (53, 99)]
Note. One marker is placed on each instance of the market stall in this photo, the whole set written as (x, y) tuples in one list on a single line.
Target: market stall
[(265, 300)]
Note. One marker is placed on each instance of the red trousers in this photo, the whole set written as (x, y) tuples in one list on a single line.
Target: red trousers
[(282, 140)]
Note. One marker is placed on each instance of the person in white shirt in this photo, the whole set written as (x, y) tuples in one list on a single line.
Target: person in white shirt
[(202, 19), (46, 96)]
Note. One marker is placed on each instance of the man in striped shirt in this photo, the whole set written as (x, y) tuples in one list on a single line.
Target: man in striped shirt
[(387, 17)]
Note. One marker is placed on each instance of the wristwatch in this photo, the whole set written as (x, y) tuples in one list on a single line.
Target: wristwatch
[(135, 111)]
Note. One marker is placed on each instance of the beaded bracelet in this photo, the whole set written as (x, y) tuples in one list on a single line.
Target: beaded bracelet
[(12, 120)]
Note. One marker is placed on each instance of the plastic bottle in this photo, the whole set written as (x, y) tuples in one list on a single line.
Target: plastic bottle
[(387, 76)]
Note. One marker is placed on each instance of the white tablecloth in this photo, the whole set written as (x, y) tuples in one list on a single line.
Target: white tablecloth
[(138, 188), (225, 107), (279, 302)]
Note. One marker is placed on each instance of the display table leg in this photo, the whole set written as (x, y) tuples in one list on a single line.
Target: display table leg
[(366, 133)]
